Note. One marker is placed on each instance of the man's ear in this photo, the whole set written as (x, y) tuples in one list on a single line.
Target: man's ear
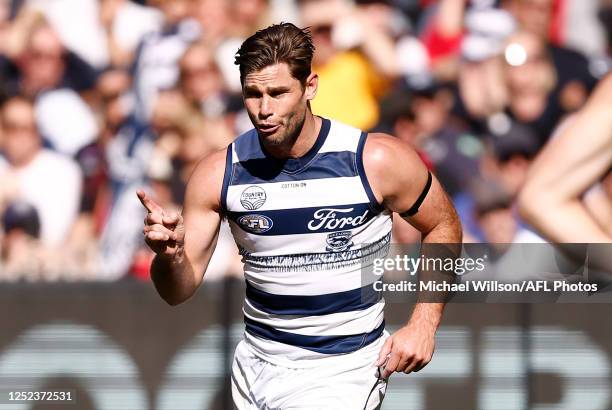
[(312, 83)]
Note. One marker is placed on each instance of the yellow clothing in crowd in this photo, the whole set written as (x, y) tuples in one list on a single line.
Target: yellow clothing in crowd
[(349, 88)]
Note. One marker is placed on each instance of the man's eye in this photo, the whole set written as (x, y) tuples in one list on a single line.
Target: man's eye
[(277, 93)]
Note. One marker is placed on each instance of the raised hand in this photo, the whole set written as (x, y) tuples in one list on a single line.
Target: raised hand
[(108, 12), (164, 232)]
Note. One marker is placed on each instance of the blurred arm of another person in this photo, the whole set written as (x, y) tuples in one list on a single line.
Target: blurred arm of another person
[(598, 202), (125, 24), (364, 27), (184, 243), (21, 27), (449, 17), (442, 36), (377, 44), (573, 162), (108, 12)]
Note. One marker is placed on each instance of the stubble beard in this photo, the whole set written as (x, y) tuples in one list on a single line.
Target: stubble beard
[(289, 136)]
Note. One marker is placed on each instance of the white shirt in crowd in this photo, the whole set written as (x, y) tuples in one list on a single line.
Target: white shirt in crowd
[(52, 183), (85, 35), (65, 120)]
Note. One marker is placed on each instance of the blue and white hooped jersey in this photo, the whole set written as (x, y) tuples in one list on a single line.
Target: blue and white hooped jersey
[(304, 227)]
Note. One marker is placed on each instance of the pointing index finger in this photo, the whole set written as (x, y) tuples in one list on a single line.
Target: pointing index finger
[(148, 203)]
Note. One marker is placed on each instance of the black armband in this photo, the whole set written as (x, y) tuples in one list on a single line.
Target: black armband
[(415, 208)]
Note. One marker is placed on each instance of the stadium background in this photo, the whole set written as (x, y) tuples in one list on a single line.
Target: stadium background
[(115, 95)]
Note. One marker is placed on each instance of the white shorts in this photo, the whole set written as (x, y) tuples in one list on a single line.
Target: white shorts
[(349, 381)]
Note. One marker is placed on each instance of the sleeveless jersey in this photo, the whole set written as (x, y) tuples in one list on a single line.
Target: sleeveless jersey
[(304, 227)]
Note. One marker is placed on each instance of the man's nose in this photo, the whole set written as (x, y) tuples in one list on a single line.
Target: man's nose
[(265, 108)]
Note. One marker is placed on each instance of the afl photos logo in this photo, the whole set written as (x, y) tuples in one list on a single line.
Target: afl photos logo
[(253, 198)]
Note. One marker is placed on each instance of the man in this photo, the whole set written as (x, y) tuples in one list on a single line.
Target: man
[(156, 59), (555, 199), (308, 201), (45, 179), (53, 77), (201, 81)]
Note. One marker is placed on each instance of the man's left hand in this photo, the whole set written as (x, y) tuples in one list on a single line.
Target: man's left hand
[(407, 350)]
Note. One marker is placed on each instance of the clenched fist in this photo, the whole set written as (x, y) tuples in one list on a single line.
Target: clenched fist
[(407, 350), (164, 232)]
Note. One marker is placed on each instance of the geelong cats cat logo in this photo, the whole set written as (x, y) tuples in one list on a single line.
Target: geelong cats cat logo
[(339, 241), (253, 198)]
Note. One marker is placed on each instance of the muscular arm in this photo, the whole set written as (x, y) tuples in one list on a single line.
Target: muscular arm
[(566, 168), (177, 276), (397, 176)]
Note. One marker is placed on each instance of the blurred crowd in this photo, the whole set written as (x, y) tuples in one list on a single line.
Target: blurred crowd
[(102, 97)]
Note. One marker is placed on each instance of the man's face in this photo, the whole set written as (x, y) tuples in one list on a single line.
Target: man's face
[(249, 11), (534, 73), (200, 77), (498, 226), (111, 86), (21, 140), (175, 10), (5, 13), (277, 103), (533, 15), (43, 65)]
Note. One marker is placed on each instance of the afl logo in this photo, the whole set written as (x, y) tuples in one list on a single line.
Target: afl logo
[(255, 223), (253, 198)]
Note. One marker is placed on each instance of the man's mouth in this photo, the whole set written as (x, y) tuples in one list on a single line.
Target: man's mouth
[(268, 128)]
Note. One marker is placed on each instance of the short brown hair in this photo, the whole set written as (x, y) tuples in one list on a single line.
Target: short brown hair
[(279, 43)]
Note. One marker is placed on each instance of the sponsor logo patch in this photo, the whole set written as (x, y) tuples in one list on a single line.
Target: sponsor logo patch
[(335, 218), (339, 241), (253, 198), (255, 223)]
